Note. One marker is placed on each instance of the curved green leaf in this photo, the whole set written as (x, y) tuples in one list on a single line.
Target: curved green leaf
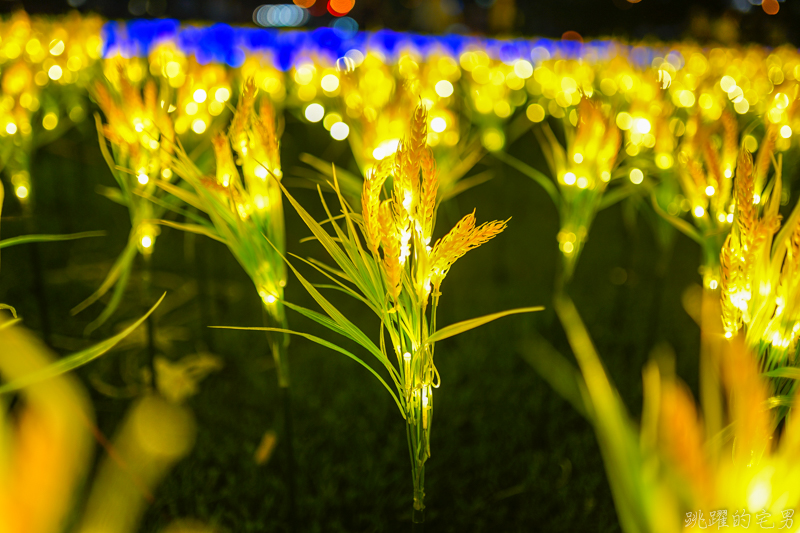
[(75, 360), (323, 342), (24, 239), (466, 325)]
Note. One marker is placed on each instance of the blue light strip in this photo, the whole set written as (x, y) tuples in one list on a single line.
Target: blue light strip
[(221, 43)]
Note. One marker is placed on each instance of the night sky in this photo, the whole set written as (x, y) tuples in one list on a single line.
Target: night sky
[(707, 22)]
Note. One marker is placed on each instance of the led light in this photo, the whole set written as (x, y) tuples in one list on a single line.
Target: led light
[(57, 47), (329, 83), (535, 113), (582, 182), (142, 178), (578, 158), (55, 72), (438, 124), (21, 191), (260, 172), (569, 178), (147, 242), (643, 126), (191, 109), (444, 88), (786, 131), (756, 198), (699, 211), (710, 190), (523, 69), (199, 96), (314, 112), (172, 69), (636, 176), (222, 94), (198, 126), (340, 131), (11, 128)]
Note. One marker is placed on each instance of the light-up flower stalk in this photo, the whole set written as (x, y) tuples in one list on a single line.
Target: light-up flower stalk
[(581, 173), (705, 168), (46, 65), (370, 103), (760, 281), (398, 275), (672, 474), (141, 134), (243, 206)]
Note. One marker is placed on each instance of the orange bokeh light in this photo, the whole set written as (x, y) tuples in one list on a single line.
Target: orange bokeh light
[(571, 36), (770, 7), (340, 7), (304, 3)]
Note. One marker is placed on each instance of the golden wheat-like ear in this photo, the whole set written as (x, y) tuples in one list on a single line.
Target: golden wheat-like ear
[(748, 411), (681, 438), (429, 190), (241, 118), (390, 239), (729, 274), (764, 155), (370, 207)]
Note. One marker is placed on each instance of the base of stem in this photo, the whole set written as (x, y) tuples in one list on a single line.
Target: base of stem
[(418, 519)]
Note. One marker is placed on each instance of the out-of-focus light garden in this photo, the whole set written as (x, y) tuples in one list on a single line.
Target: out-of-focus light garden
[(229, 242)]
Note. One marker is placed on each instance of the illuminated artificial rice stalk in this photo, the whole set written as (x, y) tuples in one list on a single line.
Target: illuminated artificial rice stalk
[(760, 277), (245, 212), (243, 206), (670, 474), (371, 105), (45, 65), (582, 172), (398, 275)]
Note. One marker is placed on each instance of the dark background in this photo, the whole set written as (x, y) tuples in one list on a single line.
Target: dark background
[(725, 21)]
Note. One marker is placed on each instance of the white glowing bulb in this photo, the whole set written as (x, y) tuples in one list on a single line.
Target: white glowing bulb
[(444, 88), (55, 72), (142, 178), (314, 112), (699, 211), (438, 124), (340, 131), (636, 176), (222, 94), (200, 96), (710, 190), (329, 83), (569, 178), (11, 128), (260, 172), (147, 242), (198, 126)]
